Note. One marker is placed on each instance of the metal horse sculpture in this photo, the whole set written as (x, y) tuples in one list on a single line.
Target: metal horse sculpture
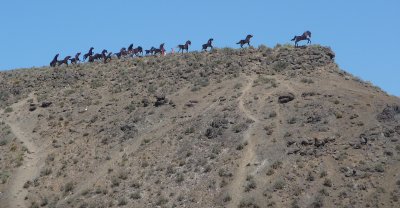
[(245, 41), (305, 36), (184, 47), (53, 63), (90, 53), (208, 44)]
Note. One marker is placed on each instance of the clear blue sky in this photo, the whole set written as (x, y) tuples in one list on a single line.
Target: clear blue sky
[(365, 34)]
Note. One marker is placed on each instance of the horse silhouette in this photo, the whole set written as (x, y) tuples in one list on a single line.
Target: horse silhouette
[(121, 53), (53, 63), (151, 51), (305, 36), (130, 49), (98, 56), (160, 50), (137, 51), (64, 61), (208, 44), (184, 47), (245, 41), (90, 53), (76, 58)]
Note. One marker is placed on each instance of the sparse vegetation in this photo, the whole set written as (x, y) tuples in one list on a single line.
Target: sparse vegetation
[(8, 110), (104, 142)]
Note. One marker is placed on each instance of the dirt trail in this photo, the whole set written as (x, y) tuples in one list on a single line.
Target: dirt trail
[(15, 197), (236, 188)]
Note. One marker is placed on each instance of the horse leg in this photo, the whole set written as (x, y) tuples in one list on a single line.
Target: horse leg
[(309, 40)]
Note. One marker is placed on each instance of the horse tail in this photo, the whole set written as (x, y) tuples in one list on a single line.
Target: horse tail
[(238, 42), (294, 38)]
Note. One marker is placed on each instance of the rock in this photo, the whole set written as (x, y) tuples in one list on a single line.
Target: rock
[(145, 102), (318, 142), (348, 172), (397, 129), (389, 113), (290, 142), (285, 97), (32, 107), (294, 150), (46, 104), (363, 139), (160, 100), (306, 142)]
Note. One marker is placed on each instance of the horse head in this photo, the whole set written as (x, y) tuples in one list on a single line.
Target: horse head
[(308, 34), (188, 42)]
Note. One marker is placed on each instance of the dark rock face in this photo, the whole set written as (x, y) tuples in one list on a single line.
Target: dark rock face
[(145, 102), (46, 104), (285, 98), (390, 113), (32, 107), (160, 100), (397, 129)]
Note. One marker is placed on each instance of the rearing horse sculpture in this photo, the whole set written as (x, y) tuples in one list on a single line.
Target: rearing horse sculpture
[(305, 36), (130, 49), (90, 53), (184, 47), (76, 59), (64, 61), (160, 50), (137, 51), (208, 44), (245, 41), (53, 63), (98, 56)]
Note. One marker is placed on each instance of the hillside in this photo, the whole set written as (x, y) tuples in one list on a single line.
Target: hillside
[(266, 127)]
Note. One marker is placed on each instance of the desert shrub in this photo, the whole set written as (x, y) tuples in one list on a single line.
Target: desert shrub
[(8, 110), (318, 202), (307, 80), (161, 201), (3, 141), (279, 184), (279, 66), (238, 85), (68, 187), (135, 195), (4, 95), (122, 201), (328, 182), (4, 177), (239, 127), (248, 202), (272, 114), (262, 47), (96, 83), (250, 184), (45, 172), (227, 51), (379, 168), (152, 88), (277, 164), (179, 178)]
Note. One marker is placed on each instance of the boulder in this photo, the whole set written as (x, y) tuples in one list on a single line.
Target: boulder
[(285, 97)]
